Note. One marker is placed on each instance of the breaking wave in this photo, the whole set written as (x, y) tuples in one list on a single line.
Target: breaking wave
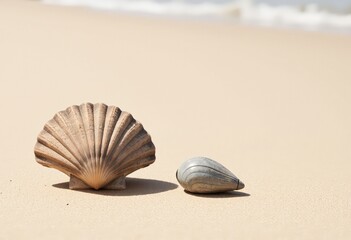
[(307, 16)]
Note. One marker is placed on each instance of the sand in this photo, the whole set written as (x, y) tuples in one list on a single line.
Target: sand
[(271, 105)]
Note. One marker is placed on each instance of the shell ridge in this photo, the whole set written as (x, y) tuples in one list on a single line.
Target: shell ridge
[(110, 123), (51, 142), (115, 137), (216, 170), (144, 162), (88, 115), (91, 127), (142, 152), (217, 164), (120, 129), (124, 132), (52, 165), (135, 145), (130, 135), (79, 133), (132, 148), (55, 128), (225, 180), (47, 155), (62, 119), (100, 111), (83, 118)]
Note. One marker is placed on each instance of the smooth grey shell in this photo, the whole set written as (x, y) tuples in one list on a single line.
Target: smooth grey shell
[(95, 144), (204, 175)]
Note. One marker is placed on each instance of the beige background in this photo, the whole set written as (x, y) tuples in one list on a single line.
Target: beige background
[(271, 105)]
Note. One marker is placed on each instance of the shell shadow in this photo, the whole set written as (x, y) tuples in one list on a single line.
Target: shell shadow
[(232, 194), (135, 186)]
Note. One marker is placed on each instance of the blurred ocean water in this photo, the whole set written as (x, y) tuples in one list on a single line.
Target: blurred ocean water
[(330, 15)]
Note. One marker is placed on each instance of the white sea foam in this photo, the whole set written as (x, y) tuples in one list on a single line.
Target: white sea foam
[(149, 6), (309, 16)]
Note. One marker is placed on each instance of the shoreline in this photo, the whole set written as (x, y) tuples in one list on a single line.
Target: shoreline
[(241, 15)]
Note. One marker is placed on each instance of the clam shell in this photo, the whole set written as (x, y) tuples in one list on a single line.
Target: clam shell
[(204, 175), (96, 145)]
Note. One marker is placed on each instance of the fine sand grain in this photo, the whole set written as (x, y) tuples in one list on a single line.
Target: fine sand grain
[(273, 106)]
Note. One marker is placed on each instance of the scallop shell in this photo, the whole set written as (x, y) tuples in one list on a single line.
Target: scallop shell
[(204, 175), (96, 145)]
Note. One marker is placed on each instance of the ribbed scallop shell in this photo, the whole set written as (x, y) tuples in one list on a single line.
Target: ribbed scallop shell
[(204, 175), (96, 145)]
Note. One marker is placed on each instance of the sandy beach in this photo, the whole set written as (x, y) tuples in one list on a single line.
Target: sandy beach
[(273, 106)]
